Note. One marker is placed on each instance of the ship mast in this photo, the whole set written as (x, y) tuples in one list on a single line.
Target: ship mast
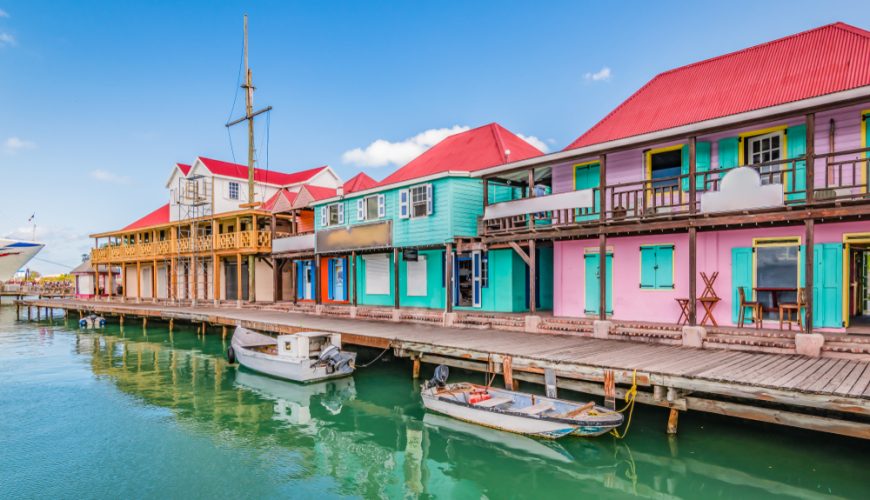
[(248, 85)]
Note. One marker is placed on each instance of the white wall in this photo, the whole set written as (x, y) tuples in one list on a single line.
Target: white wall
[(162, 284), (84, 284), (147, 273), (264, 283), (130, 290)]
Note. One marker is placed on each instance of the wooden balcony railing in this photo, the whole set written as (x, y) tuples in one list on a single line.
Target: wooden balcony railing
[(247, 241), (845, 178)]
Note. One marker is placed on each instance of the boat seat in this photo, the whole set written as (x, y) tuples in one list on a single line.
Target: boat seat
[(536, 409), (493, 402)]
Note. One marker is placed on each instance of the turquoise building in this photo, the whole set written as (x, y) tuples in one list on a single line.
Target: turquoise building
[(421, 222)]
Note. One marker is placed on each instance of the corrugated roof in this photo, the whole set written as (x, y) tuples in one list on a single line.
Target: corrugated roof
[(358, 182), (319, 192), (280, 201), (467, 151), (159, 216), (185, 169), (228, 169), (828, 59)]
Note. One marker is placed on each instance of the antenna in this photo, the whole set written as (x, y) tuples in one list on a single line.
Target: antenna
[(249, 116)]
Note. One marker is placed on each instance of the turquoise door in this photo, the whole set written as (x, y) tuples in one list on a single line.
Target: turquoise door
[(593, 289), (586, 177)]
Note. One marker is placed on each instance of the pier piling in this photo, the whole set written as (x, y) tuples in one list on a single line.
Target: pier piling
[(673, 419), (416, 371)]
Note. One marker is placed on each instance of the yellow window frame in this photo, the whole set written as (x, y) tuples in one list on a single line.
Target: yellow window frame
[(648, 169), (776, 241)]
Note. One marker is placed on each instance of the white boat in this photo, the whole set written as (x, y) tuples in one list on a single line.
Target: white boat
[(14, 254), (300, 357), (518, 412), (293, 402)]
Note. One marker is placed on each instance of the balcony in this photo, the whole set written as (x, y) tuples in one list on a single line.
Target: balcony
[(237, 242), (841, 178)]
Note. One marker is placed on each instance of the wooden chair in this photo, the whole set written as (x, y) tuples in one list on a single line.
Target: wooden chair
[(786, 310), (753, 306)]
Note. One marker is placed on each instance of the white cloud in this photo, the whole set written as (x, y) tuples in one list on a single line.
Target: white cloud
[(7, 39), (383, 152), (13, 145), (534, 141), (110, 177), (602, 75)]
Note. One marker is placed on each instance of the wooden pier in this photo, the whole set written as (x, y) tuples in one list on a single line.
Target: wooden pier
[(821, 394)]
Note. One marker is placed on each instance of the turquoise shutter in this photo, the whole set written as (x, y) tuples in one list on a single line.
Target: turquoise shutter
[(331, 280), (796, 139), (300, 280), (702, 162), (684, 169), (828, 285), (741, 276), (729, 156), (665, 266), (647, 267)]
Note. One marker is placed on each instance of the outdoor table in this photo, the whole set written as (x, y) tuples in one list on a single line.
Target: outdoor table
[(708, 304), (684, 311), (774, 293)]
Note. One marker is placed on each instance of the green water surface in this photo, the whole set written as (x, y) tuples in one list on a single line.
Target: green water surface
[(135, 414)]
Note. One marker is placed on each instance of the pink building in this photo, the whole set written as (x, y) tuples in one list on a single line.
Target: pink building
[(702, 175)]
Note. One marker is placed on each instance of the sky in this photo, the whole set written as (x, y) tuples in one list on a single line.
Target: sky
[(98, 100)]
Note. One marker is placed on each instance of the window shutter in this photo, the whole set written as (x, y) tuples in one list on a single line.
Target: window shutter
[(684, 167), (647, 267), (741, 276), (795, 148), (382, 206), (341, 213), (360, 209), (429, 200), (300, 280), (702, 162), (665, 267), (729, 152), (403, 204), (323, 220), (331, 280)]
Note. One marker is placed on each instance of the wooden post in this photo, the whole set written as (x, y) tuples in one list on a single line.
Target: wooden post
[(239, 279), (693, 168), (602, 187), (216, 292), (294, 280), (38, 313), (673, 418), (317, 297), (353, 276), (448, 278), (203, 328), (144, 322), (121, 321), (29, 317), (96, 282), (252, 260), (276, 275), (416, 371), (602, 276), (485, 193), (693, 276), (138, 281), (153, 280), (809, 259), (171, 324), (810, 167), (550, 382), (109, 280), (508, 373), (123, 282), (533, 306), (395, 278)]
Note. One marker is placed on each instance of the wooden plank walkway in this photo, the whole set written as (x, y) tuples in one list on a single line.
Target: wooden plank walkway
[(798, 382)]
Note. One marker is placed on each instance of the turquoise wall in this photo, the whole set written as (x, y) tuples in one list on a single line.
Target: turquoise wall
[(435, 293), (364, 299)]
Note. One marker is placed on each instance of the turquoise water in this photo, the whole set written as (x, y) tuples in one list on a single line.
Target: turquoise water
[(130, 413)]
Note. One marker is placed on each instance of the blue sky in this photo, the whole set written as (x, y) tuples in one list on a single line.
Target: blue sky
[(99, 99)]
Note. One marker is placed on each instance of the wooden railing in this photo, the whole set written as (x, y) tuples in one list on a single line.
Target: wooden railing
[(247, 241), (839, 176)]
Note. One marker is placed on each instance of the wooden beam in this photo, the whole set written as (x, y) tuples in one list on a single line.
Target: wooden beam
[(396, 278), (485, 193), (602, 276), (448, 278), (318, 298), (519, 250), (809, 260), (353, 277), (239, 279), (810, 166), (693, 276), (216, 292), (602, 187), (532, 278)]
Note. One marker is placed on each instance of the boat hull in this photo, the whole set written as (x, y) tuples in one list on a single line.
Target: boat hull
[(293, 369), (14, 255)]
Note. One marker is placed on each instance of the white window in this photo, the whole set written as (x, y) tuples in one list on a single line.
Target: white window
[(415, 202), (763, 149), (417, 285), (234, 190), (377, 274), (332, 215), (370, 207)]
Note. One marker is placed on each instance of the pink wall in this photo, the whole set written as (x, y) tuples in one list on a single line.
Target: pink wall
[(627, 166), (632, 303)]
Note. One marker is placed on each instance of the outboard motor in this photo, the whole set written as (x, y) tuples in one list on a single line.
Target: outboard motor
[(439, 379), (331, 357), (83, 323), (100, 322)]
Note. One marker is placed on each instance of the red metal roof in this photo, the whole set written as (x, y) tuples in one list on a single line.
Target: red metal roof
[(468, 151), (219, 167), (319, 192), (159, 216), (185, 169), (828, 59), (358, 182), (283, 198)]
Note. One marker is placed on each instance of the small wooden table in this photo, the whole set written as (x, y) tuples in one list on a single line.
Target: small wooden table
[(684, 311), (774, 293), (708, 304)]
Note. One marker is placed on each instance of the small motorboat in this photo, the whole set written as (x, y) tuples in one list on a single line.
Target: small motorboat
[(92, 321), (300, 357), (518, 412)]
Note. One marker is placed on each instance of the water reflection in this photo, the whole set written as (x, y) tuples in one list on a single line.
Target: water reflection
[(370, 436)]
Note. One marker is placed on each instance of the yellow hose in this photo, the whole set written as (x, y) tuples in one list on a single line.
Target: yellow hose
[(630, 397)]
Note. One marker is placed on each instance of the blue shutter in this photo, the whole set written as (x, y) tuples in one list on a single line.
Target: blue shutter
[(360, 210), (684, 167), (665, 267), (729, 152), (475, 279), (741, 276), (647, 267), (796, 139), (323, 220), (403, 204), (702, 163), (828, 285), (429, 201), (300, 280), (343, 278), (341, 213), (382, 206), (330, 280)]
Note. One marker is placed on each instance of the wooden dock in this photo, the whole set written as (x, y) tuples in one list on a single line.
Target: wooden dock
[(821, 394)]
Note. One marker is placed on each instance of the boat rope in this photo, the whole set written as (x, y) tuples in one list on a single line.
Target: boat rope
[(376, 358), (490, 372), (630, 397)]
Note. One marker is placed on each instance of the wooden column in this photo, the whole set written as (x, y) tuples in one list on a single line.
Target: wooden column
[(602, 187), (252, 263), (353, 277), (277, 292), (138, 281), (533, 270), (395, 278), (215, 262), (154, 281), (172, 279), (602, 238), (294, 281), (693, 234), (809, 259), (318, 299), (810, 167), (448, 278), (123, 281), (110, 282), (239, 278), (96, 280), (485, 193), (216, 292)]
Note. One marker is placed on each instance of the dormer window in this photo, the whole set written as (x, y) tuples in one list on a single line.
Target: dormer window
[(234, 190)]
